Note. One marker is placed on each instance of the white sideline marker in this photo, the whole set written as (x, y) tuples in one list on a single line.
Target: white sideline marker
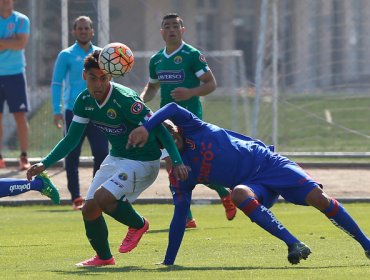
[(328, 117)]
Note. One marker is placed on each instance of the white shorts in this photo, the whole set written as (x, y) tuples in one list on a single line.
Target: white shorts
[(126, 179), (164, 154)]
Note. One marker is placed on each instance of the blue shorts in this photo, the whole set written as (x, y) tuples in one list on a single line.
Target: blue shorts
[(13, 90), (286, 179)]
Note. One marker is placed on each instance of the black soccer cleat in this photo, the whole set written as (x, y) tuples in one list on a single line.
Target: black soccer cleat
[(297, 252)]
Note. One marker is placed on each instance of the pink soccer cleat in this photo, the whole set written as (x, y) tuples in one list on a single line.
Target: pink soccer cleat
[(133, 237), (96, 261)]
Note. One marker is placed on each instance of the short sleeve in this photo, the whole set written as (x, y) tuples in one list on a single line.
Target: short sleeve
[(152, 73), (199, 63), (23, 25)]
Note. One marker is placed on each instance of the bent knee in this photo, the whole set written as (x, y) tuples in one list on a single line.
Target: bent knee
[(318, 199), (240, 193), (91, 211), (105, 200)]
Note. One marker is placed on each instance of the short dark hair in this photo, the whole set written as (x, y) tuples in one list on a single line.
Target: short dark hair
[(86, 18), (172, 15), (91, 61), (171, 128)]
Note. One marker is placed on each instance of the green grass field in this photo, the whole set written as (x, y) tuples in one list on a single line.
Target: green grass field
[(44, 242)]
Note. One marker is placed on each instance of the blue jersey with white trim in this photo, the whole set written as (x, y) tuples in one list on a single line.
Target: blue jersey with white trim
[(68, 72), (13, 61), (222, 157), (214, 155)]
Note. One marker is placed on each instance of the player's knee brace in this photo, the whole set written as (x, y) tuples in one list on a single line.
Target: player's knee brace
[(248, 205)]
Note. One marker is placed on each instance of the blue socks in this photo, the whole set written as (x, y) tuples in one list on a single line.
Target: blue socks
[(341, 219), (335, 212), (12, 187), (263, 217)]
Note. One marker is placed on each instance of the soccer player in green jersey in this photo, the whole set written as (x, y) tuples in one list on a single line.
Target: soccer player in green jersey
[(125, 173), (183, 75)]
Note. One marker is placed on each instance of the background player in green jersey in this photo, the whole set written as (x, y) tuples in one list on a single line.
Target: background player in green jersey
[(124, 174), (183, 75)]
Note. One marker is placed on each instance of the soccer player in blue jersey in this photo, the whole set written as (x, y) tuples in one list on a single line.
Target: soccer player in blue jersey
[(254, 171), (41, 183), (67, 71), (14, 34)]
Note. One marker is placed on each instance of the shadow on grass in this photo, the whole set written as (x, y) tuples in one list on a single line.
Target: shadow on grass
[(177, 268), (57, 210), (154, 231), (28, 245)]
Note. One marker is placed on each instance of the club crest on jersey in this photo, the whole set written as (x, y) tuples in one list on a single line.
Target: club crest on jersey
[(123, 176), (177, 59), (202, 58), (111, 113), (137, 107), (11, 26)]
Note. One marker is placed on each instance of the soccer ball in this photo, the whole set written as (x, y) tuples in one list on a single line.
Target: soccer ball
[(116, 59)]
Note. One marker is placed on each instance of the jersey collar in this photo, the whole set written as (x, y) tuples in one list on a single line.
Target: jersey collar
[(106, 98), (90, 47), (174, 52)]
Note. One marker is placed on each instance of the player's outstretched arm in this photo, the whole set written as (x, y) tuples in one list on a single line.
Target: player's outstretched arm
[(149, 92), (177, 226)]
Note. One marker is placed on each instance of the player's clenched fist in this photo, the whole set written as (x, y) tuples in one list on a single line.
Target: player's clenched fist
[(137, 138), (34, 170)]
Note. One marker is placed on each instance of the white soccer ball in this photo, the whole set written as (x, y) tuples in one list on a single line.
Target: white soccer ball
[(116, 59)]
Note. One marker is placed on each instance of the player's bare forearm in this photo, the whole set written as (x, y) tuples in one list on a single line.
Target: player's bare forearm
[(149, 92), (17, 42), (208, 85), (182, 94)]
